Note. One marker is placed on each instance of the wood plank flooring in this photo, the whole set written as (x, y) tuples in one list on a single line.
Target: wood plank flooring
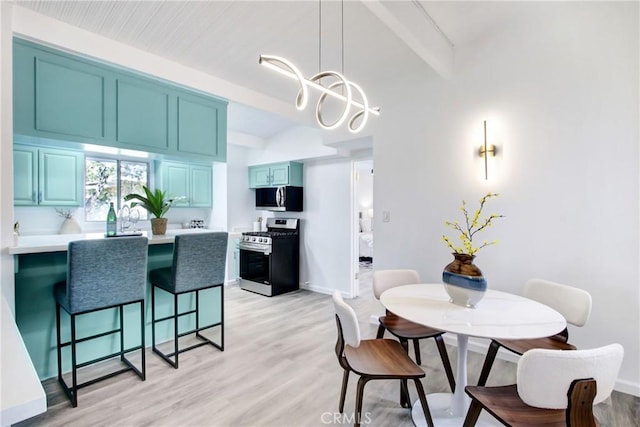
[(278, 369)]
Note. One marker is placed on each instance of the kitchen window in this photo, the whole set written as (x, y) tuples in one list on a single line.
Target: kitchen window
[(108, 180)]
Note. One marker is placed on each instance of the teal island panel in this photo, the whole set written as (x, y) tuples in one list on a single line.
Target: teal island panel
[(36, 317)]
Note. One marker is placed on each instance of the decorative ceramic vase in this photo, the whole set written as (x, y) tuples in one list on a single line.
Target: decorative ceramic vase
[(463, 281), (158, 225), (70, 226)]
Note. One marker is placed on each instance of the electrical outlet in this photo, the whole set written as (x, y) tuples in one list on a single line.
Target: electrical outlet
[(386, 216)]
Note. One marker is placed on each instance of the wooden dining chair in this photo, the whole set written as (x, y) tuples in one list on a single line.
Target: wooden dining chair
[(404, 329), (573, 303), (373, 359), (553, 389)]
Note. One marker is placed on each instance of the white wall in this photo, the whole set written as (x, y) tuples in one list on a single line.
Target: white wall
[(240, 199), (559, 88), (325, 245), (297, 143), (6, 153)]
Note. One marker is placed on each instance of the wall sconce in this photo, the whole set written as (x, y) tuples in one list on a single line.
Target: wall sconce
[(485, 151)]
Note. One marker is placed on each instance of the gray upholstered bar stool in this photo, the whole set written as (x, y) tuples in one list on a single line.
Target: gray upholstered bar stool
[(199, 261), (101, 274)]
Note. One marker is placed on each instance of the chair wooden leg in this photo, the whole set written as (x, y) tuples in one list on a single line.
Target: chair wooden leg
[(423, 401), (442, 349), (488, 363), (416, 348), (380, 333), (473, 414), (358, 413), (343, 392), (405, 398)]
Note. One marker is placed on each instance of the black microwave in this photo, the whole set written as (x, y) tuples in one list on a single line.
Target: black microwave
[(281, 199)]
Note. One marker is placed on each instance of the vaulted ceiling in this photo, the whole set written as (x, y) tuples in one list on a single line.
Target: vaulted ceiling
[(225, 38)]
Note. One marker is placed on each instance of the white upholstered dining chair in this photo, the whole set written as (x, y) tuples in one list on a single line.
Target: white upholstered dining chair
[(553, 388), (573, 303), (404, 329)]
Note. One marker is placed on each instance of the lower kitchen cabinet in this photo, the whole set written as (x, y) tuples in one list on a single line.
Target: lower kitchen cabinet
[(47, 176), (193, 182)]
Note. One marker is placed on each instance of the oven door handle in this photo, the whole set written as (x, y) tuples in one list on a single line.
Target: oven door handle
[(253, 249)]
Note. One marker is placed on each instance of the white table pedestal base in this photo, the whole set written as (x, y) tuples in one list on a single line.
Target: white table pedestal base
[(440, 407)]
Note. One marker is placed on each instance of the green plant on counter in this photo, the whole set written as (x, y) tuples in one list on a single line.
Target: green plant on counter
[(155, 202)]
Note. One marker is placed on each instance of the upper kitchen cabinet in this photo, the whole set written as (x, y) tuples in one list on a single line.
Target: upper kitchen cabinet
[(191, 181), (47, 177), (202, 126), (57, 97), (142, 115), (63, 97), (275, 175)]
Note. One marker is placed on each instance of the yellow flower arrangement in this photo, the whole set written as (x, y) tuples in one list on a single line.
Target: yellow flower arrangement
[(471, 226)]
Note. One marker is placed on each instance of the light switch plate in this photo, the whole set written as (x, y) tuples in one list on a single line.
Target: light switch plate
[(386, 216)]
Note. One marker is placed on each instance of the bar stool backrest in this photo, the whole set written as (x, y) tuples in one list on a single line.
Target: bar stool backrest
[(544, 376), (106, 272), (199, 260)]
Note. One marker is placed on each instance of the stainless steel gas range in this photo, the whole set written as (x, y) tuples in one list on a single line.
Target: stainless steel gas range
[(269, 260)]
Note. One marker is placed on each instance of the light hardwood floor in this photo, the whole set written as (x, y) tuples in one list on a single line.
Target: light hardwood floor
[(278, 369)]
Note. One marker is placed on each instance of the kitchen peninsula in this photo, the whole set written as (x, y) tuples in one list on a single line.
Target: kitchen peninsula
[(41, 261)]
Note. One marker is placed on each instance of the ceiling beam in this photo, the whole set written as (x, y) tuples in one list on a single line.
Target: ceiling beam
[(412, 24)]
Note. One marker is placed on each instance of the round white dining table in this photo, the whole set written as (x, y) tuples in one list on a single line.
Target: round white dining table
[(497, 315)]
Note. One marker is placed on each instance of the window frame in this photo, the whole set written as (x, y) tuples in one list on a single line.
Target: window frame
[(118, 160)]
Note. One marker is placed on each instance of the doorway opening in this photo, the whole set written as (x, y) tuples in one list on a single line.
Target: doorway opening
[(363, 208)]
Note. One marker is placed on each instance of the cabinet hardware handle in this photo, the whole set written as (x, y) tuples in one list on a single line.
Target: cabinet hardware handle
[(33, 196), (39, 196)]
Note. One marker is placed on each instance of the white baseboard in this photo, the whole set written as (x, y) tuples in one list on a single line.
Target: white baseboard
[(319, 289)]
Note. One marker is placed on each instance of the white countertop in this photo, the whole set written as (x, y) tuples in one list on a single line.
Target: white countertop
[(59, 242), (21, 391)]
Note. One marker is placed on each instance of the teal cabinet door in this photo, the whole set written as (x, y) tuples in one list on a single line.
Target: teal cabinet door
[(175, 181), (60, 177), (259, 176), (280, 175), (142, 115), (25, 176), (47, 177), (69, 98), (201, 187), (193, 182), (202, 126)]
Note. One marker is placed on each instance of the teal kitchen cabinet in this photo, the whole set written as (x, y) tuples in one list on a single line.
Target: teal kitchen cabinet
[(63, 97), (142, 115), (275, 175), (58, 97), (47, 177), (193, 182), (202, 126)]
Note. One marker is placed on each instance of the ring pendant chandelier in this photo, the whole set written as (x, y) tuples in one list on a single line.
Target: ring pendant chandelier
[(340, 88)]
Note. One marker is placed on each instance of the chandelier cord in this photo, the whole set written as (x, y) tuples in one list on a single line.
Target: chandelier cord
[(319, 36), (342, 35)]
